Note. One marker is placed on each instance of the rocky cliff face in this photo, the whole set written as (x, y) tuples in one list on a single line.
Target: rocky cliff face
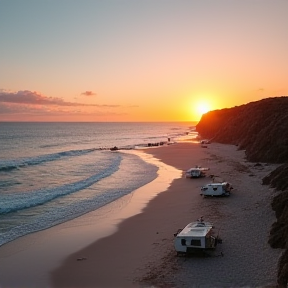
[(261, 129)]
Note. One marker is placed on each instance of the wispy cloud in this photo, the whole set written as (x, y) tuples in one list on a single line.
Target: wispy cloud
[(35, 98), (33, 106), (88, 93)]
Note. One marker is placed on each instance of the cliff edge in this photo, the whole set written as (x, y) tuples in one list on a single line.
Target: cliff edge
[(261, 129)]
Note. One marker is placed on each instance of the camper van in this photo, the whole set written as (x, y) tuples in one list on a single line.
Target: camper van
[(216, 189), (196, 172), (196, 237)]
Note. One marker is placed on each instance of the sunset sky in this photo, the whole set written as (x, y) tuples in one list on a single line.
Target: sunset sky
[(138, 60)]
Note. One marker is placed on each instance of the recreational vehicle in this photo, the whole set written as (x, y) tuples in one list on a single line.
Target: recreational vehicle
[(216, 189), (196, 237), (196, 172)]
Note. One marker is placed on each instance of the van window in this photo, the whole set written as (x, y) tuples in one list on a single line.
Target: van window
[(183, 242)]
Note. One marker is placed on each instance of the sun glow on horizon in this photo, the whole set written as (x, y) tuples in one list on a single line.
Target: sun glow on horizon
[(201, 108)]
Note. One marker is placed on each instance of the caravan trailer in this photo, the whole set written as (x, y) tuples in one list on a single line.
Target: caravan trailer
[(196, 237), (216, 189), (196, 172)]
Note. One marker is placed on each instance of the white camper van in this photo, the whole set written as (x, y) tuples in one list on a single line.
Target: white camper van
[(216, 189), (196, 172), (196, 236)]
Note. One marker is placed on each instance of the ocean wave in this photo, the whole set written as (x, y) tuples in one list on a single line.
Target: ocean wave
[(105, 191), (65, 144), (15, 202), (8, 183), (9, 165)]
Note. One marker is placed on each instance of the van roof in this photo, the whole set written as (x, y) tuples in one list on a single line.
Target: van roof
[(196, 229)]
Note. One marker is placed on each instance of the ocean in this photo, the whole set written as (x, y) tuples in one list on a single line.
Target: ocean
[(51, 173)]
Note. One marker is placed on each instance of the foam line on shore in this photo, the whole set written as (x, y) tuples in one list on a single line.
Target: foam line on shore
[(56, 243)]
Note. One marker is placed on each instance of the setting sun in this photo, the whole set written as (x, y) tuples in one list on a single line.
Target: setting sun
[(201, 108)]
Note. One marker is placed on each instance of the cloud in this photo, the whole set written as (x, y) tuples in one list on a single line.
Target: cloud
[(33, 106), (88, 93), (27, 97), (12, 108)]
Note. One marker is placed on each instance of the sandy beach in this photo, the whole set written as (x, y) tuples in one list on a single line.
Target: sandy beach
[(134, 247)]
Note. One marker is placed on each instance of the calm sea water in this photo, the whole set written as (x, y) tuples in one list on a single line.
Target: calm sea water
[(53, 172)]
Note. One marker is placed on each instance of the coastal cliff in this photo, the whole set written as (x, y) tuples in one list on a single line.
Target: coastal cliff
[(258, 127), (261, 129)]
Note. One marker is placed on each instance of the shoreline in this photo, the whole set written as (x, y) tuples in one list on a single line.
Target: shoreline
[(54, 244), (139, 251), (139, 240)]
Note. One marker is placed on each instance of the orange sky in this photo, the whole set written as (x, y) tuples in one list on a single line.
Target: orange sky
[(139, 60)]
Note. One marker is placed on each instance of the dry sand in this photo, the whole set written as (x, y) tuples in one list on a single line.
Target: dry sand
[(244, 220), (141, 253)]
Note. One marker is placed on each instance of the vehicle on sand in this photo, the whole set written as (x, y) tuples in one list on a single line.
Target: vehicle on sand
[(216, 189), (196, 172), (198, 236)]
